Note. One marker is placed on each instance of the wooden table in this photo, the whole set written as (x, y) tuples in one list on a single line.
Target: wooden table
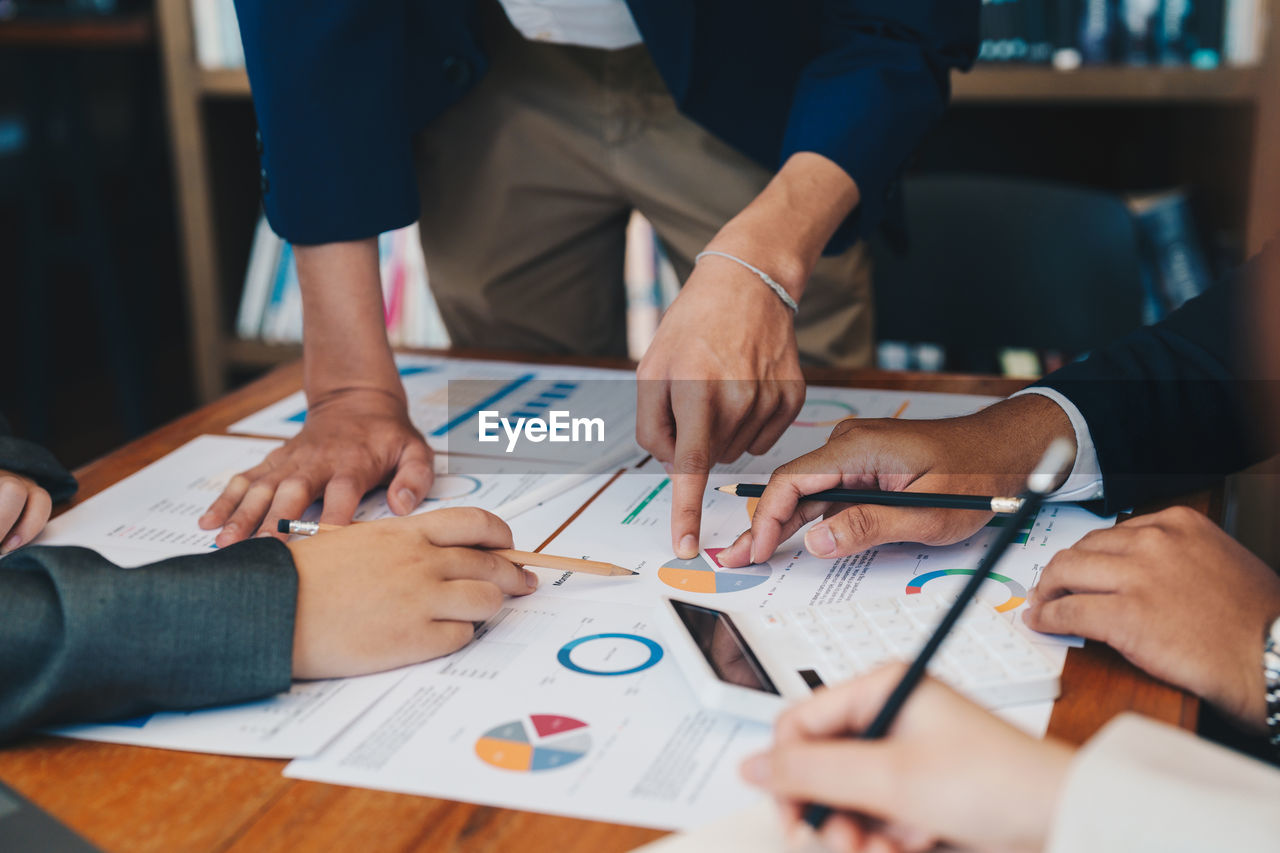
[(135, 799)]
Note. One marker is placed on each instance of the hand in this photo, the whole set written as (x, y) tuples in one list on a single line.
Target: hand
[(1176, 596), (722, 377), (24, 510), (948, 770), (987, 453), (352, 441), (388, 593)]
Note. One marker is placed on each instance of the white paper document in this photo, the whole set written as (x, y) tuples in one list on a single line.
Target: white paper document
[(560, 706), (152, 514), (300, 722), (514, 390)]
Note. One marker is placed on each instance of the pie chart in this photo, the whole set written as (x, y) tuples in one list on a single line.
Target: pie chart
[(535, 743), (696, 575)]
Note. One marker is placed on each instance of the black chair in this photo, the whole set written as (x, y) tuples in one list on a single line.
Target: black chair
[(995, 262)]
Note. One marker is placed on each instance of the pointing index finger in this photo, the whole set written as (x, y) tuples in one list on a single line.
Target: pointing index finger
[(692, 464)]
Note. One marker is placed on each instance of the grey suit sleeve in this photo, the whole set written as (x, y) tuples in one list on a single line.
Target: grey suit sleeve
[(82, 639), (32, 460)]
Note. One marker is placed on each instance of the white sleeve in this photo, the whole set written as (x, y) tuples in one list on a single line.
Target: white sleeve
[(1139, 785), (1084, 483)]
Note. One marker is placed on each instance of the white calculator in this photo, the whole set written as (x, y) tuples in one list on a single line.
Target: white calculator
[(754, 664)]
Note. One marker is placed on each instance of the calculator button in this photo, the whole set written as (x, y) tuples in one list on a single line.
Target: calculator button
[(904, 642), (877, 605), (816, 632), (891, 621)]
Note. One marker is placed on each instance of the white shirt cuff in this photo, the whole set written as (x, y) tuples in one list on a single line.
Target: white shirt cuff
[(1084, 483)]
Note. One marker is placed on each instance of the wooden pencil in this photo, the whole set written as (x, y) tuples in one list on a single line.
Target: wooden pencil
[(524, 558)]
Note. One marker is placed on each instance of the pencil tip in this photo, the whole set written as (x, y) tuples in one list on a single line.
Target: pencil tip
[(727, 489)]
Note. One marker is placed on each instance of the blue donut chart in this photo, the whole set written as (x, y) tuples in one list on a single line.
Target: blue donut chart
[(565, 655)]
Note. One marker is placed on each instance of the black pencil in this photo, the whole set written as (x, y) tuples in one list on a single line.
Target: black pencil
[(927, 500), (1039, 484)]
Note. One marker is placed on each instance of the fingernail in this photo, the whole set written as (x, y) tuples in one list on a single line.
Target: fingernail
[(756, 769), (669, 468), (408, 500), (820, 541), (12, 545), (531, 580), (688, 547)]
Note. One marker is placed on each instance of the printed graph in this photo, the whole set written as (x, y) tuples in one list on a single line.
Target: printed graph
[(1016, 591), (536, 743), (697, 575), (448, 487), (1024, 531), (609, 654)]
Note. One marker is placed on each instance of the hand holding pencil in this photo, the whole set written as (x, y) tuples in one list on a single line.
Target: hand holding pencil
[(989, 453), (296, 527)]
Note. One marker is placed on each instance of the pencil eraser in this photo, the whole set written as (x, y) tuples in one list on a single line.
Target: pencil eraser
[(282, 526)]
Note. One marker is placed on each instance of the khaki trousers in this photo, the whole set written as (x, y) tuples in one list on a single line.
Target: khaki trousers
[(527, 184)]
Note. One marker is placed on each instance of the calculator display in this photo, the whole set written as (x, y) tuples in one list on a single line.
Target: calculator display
[(725, 649)]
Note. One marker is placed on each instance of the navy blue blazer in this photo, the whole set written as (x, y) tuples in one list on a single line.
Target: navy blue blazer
[(340, 88), (1175, 406)]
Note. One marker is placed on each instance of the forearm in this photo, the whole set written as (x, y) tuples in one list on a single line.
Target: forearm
[(82, 639), (344, 331), (785, 228)]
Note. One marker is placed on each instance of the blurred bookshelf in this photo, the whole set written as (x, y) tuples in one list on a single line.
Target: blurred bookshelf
[(1207, 110)]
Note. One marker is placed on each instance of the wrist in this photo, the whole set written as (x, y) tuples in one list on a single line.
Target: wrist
[(781, 261), (1043, 783), (785, 228), (1018, 431)]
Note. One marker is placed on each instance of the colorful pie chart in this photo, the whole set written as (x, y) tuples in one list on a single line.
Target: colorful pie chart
[(1017, 592), (696, 575), (536, 743)]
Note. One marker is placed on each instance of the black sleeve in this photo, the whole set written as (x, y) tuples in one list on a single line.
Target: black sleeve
[(82, 639), (1168, 406), (32, 460)]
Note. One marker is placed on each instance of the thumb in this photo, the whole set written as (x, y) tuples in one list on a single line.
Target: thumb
[(864, 526), (413, 478)]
